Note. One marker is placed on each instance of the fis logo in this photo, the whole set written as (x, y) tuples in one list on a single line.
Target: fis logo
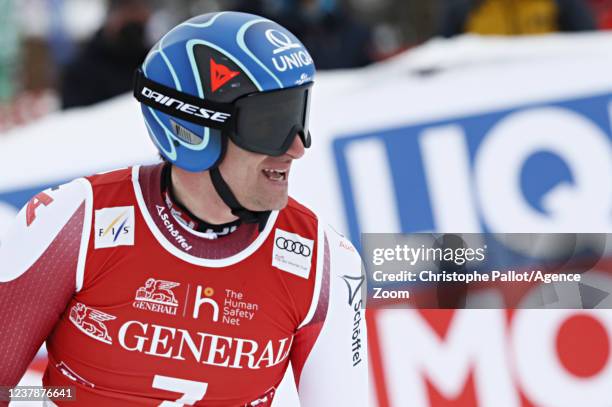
[(114, 227)]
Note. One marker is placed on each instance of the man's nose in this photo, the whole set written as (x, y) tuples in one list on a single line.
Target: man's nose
[(296, 150)]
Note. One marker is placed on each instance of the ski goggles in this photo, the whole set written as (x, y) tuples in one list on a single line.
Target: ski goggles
[(263, 122)]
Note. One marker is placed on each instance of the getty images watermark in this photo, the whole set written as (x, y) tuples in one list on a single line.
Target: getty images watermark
[(38, 393), (522, 270)]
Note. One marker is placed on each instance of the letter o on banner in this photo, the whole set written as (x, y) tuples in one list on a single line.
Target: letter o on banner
[(584, 147), (539, 368)]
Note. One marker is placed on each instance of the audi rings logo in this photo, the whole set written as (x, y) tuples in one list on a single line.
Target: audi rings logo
[(292, 246), (280, 40), (292, 253)]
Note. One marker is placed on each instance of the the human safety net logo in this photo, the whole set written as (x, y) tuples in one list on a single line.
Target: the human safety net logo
[(539, 168)]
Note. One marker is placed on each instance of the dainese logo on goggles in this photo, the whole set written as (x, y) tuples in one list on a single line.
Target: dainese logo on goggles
[(292, 246), (184, 107)]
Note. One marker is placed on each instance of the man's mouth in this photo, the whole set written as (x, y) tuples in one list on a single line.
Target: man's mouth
[(275, 175)]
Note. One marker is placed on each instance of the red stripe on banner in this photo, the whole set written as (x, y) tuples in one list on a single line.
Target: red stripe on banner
[(438, 319), (467, 398), (376, 365)]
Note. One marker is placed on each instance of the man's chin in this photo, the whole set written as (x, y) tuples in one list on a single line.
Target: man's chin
[(281, 205), (272, 204), (277, 206)]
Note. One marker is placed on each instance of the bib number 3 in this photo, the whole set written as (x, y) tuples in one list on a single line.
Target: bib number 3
[(192, 391)]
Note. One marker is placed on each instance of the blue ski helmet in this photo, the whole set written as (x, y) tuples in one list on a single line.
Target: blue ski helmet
[(225, 75)]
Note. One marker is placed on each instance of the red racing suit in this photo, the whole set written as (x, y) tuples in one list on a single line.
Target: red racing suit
[(136, 309)]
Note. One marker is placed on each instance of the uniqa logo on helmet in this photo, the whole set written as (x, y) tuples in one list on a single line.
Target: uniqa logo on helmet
[(288, 54), (282, 54)]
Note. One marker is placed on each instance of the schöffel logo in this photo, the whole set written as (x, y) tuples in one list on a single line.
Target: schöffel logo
[(354, 285), (542, 167), (157, 296), (292, 253), (114, 227), (167, 220), (91, 322)]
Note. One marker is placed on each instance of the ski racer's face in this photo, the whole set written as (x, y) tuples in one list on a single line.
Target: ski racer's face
[(260, 182)]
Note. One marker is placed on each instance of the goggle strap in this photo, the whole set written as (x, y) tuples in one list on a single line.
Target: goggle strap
[(182, 105), (228, 197)]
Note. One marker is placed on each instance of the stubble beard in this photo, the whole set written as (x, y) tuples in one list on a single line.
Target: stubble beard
[(263, 200)]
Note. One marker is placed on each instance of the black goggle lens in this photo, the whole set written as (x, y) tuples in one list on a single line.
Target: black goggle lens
[(268, 122)]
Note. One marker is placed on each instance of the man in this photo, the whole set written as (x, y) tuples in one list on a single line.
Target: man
[(195, 281)]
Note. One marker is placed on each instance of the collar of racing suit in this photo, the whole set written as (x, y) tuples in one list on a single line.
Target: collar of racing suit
[(184, 215)]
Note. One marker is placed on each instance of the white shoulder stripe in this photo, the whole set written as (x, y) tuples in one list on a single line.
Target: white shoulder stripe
[(80, 272), (319, 274)]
